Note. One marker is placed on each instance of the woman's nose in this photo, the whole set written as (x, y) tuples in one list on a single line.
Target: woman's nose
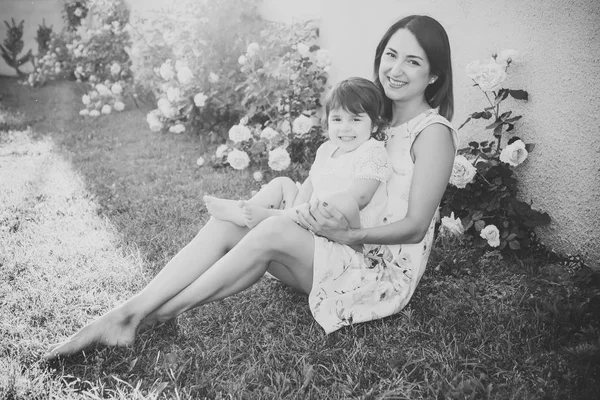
[(397, 68)]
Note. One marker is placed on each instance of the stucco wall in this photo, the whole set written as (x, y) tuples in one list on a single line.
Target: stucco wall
[(33, 12), (559, 42)]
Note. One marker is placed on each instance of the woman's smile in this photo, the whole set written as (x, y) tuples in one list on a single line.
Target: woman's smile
[(395, 83)]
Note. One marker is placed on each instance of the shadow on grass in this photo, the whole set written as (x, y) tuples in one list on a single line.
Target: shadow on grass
[(477, 327)]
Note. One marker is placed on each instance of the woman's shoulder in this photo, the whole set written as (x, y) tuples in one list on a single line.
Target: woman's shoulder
[(429, 119)]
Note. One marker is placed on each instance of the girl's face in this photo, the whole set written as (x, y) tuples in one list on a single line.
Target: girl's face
[(348, 130), (404, 71)]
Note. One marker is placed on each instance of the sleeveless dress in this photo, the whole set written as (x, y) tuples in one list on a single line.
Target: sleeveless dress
[(331, 175), (351, 287)]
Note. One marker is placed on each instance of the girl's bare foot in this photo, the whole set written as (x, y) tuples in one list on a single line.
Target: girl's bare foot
[(114, 328), (254, 215), (225, 210)]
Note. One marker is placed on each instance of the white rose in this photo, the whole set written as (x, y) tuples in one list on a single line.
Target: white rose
[(268, 133), (213, 78), (286, 127), (221, 150), (200, 99), (239, 133), (79, 70), (491, 234), (166, 71), (93, 95), (84, 112), (156, 126), (103, 89), (302, 125), (78, 12), (154, 121), (94, 113), (106, 109), (184, 73), (116, 88), (258, 176), (303, 49), (463, 172), (252, 49), (115, 68), (178, 128), (119, 106), (491, 77), (165, 108), (242, 60), (200, 161), (244, 121), (279, 159), (507, 56), (473, 70), (173, 94), (85, 99), (452, 225), (514, 154), (323, 58), (238, 159)]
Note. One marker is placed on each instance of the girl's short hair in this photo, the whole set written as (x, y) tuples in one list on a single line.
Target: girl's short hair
[(432, 37), (358, 95)]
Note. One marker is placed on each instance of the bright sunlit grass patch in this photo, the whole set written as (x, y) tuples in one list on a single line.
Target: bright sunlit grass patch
[(62, 263)]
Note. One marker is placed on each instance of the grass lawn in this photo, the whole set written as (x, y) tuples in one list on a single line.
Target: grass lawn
[(90, 209)]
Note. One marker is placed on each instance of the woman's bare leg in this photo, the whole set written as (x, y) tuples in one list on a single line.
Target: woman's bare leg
[(289, 257), (118, 326), (235, 271)]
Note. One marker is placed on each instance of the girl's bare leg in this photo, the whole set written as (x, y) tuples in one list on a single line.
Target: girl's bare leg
[(233, 272), (118, 326), (277, 194)]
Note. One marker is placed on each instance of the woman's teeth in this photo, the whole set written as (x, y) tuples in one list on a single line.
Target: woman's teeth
[(395, 83)]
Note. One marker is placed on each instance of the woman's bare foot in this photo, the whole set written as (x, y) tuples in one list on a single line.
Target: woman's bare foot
[(114, 328), (225, 209), (254, 215)]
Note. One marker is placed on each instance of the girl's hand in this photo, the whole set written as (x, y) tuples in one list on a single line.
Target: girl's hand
[(325, 220)]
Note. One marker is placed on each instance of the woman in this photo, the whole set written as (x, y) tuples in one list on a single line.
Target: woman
[(413, 70)]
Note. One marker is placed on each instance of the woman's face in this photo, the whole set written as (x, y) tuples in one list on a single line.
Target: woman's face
[(404, 71)]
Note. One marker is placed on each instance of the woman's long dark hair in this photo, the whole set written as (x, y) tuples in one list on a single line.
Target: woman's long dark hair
[(432, 37)]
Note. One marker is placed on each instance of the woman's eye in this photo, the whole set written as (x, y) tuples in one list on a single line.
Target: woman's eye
[(413, 62), (390, 54)]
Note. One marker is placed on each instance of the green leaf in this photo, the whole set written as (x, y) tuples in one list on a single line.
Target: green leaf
[(474, 145), (514, 245), (529, 147), (479, 225), (519, 94), (477, 215)]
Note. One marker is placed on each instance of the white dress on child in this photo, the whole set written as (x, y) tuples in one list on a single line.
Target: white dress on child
[(351, 287), (333, 175)]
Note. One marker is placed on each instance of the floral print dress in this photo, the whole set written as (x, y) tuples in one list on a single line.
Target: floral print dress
[(351, 287)]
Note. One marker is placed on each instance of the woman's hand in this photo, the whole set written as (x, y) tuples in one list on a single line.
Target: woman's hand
[(325, 220)]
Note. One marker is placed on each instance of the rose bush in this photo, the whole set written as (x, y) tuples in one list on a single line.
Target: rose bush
[(285, 74), (482, 192)]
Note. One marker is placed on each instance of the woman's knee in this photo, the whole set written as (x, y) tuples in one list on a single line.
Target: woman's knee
[(272, 234)]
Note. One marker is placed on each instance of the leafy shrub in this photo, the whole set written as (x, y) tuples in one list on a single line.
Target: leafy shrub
[(189, 51), (43, 37), (13, 45), (481, 198)]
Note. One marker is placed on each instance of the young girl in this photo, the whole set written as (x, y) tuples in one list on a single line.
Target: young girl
[(349, 171)]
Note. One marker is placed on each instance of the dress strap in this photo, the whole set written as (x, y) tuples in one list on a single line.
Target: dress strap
[(429, 118)]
